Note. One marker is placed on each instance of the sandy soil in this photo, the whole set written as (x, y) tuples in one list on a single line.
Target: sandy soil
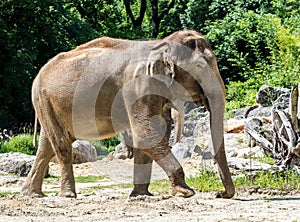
[(113, 204)]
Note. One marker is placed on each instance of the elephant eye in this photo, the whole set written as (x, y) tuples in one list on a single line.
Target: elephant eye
[(191, 44)]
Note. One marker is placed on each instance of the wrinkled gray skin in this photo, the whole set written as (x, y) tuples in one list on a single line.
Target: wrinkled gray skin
[(109, 85), (178, 117)]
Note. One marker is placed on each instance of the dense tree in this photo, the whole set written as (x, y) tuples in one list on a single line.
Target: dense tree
[(31, 32), (253, 39)]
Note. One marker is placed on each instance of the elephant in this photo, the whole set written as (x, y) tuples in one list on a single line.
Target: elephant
[(177, 116), (108, 85)]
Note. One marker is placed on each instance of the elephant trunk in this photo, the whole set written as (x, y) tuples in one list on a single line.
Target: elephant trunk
[(214, 91)]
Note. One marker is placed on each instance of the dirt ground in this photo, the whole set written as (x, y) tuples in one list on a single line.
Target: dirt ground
[(113, 204)]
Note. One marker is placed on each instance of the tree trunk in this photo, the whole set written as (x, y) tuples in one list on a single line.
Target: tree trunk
[(156, 18), (298, 109), (138, 21)]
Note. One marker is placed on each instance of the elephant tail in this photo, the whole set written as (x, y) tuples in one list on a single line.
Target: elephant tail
[(36, 121)]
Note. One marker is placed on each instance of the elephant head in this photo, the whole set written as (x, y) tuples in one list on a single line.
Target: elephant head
[(190, 71)]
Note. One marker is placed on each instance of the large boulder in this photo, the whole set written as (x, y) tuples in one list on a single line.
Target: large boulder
[(83, 152), (16, 163)]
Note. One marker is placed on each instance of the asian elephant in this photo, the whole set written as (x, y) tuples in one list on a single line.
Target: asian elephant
[(108, 85), (177, 116)]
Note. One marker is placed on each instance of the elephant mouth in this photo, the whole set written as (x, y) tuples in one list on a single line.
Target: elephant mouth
[(197, 99), (200, 100)]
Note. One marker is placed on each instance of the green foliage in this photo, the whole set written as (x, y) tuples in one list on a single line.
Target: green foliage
[(240, 95), (22, 143), (256, 42), (31, 32), (256, 48), (106, 146)]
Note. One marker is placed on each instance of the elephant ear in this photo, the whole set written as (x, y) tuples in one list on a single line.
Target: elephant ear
[(200, 44), (161, 54)]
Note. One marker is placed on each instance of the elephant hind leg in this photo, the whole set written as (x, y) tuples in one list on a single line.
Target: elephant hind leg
[(34, 181), (61, 142), (64, 156)]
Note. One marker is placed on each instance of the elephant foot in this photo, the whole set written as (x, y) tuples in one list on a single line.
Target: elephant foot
[(68, 194), (178, 185), (181, 191), (32, 193), (225, 194), (140, 189)]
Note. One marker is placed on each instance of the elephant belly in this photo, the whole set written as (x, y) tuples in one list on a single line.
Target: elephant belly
[(95, 129)]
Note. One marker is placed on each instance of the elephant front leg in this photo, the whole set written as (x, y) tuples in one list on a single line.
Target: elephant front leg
[(174, 170), (142, 173), (151, 125)]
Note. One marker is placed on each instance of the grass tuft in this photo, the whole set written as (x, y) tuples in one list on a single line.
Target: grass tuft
[(88, 179)]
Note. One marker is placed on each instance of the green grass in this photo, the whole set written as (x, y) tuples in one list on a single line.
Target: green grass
[(265, 159), (159, 187), (7, 193), (88, 179), (285, 181), (208, 181), (89, 190), (79, 179)]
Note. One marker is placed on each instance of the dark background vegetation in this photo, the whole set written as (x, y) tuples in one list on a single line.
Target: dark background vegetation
[(256, 41)]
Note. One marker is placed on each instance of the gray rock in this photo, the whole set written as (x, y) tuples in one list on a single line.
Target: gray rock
[(16, 163), (250, 152), (282, 102), (188, 128), (202, 128), (180, 151), (83, 152), (196, 113), (234, 142), (121, 152), (247, 164), (261, 111), (267, 95)]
